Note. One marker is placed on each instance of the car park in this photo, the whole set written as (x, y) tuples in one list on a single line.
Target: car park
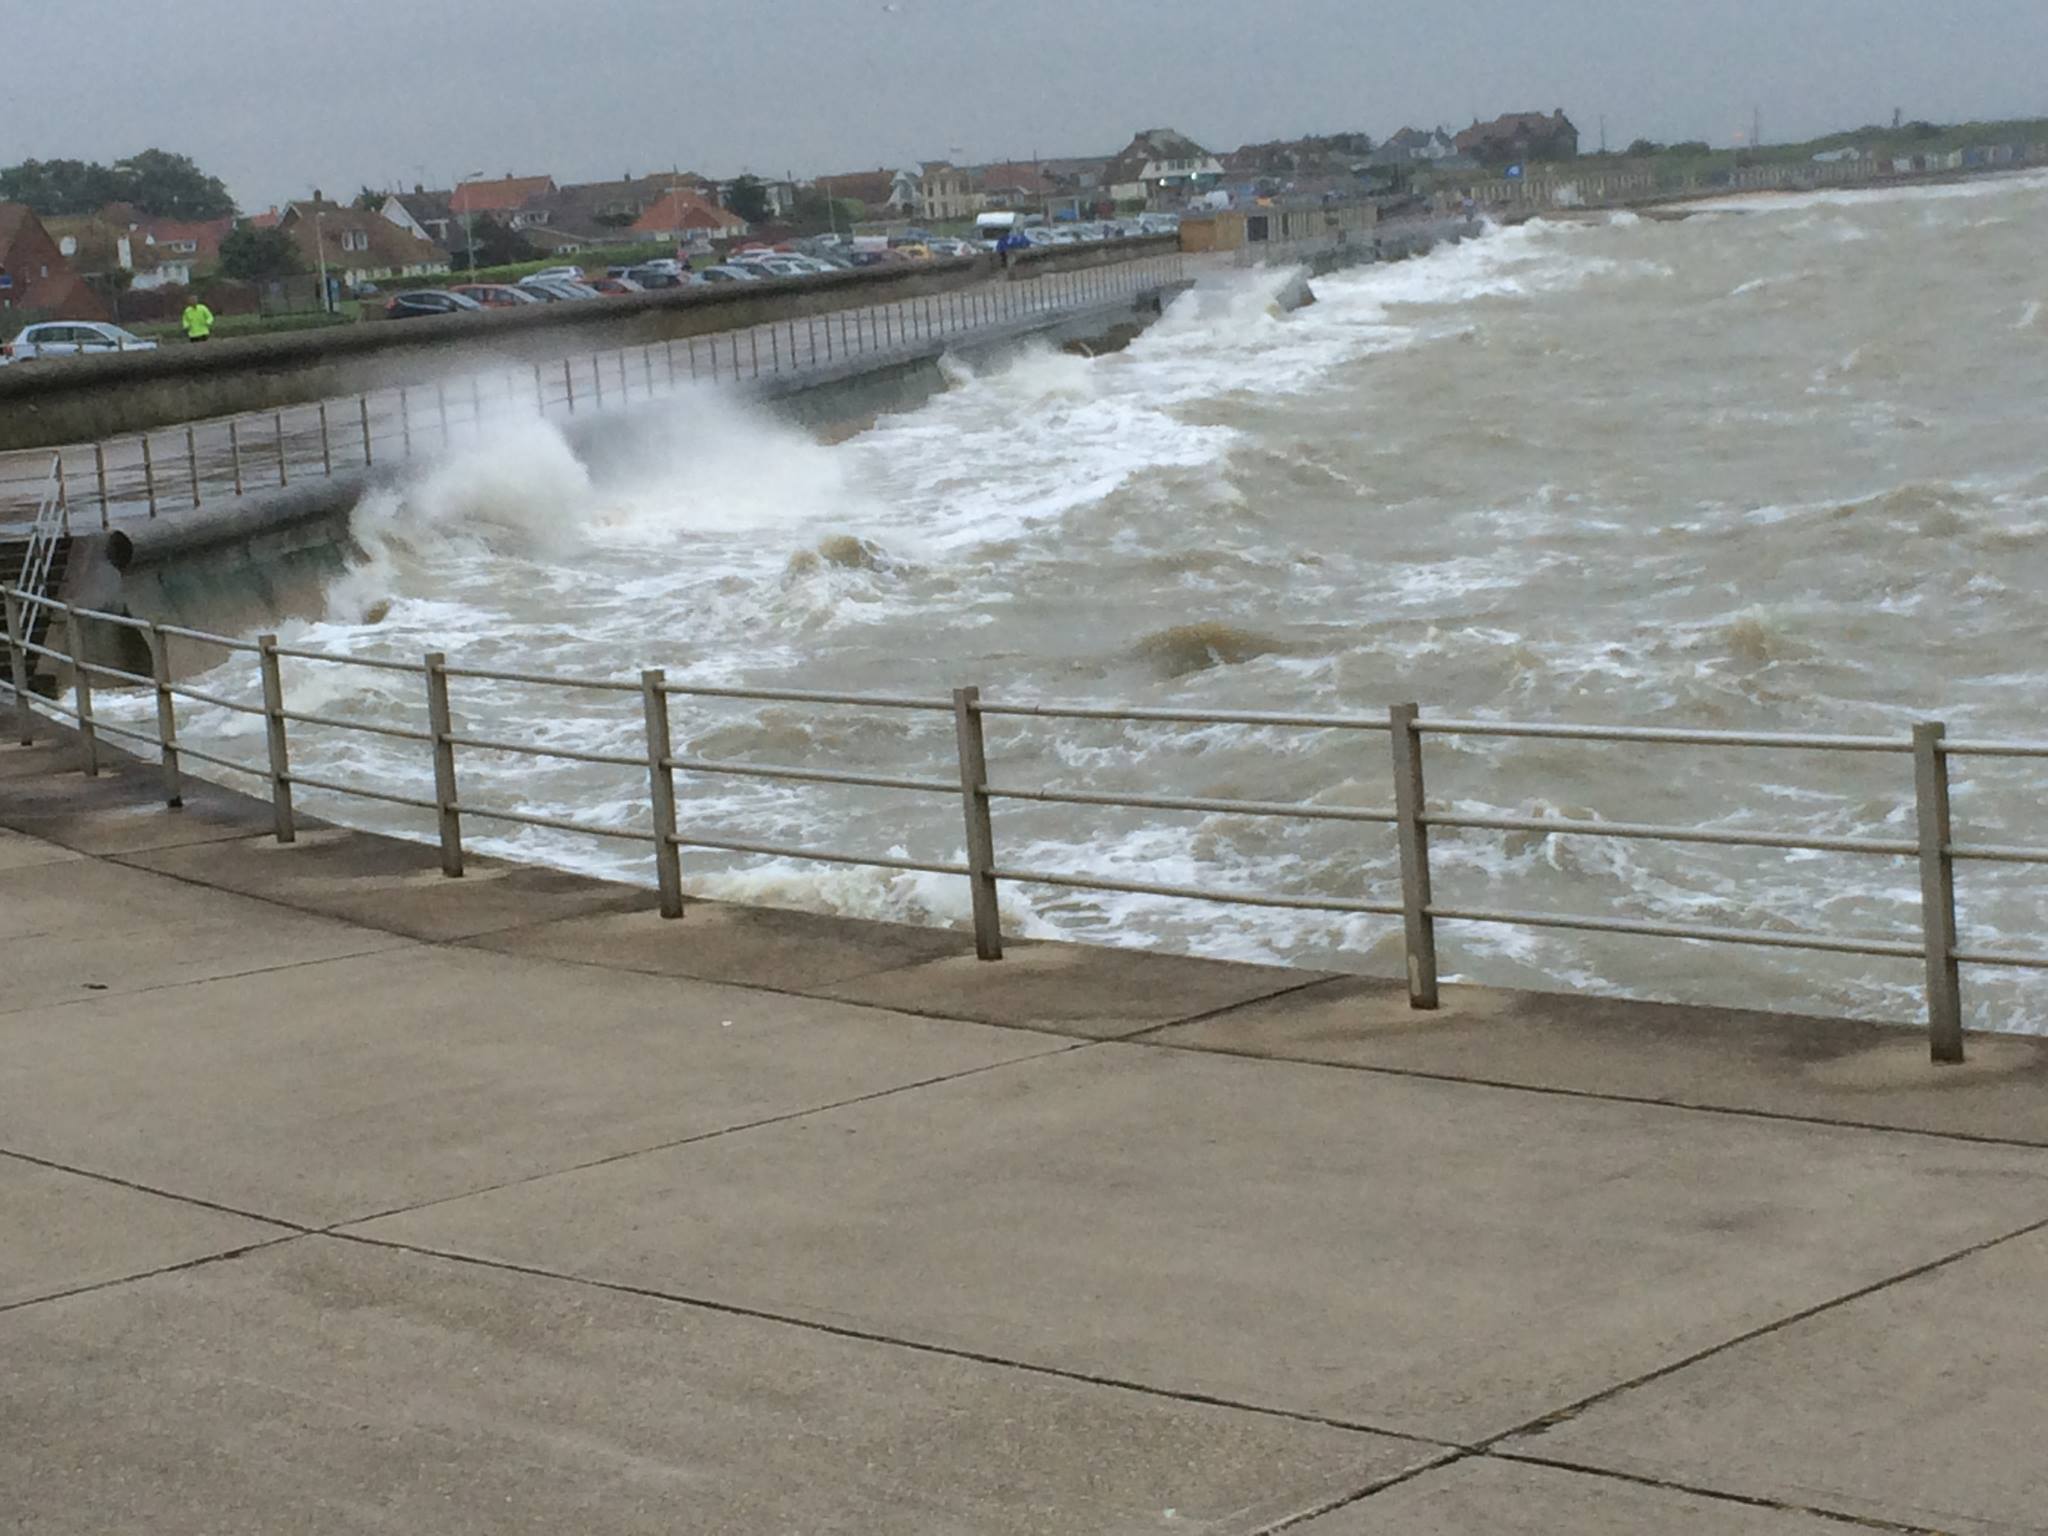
[(420, 303), (729, 274), (71, 338)]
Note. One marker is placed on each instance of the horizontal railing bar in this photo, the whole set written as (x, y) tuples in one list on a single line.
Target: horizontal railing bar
[(364, 794), (1186, 716), (185, 692), (101, 669), (1651, 832), (222, 762), (1993, 957), (594, 684), (395, 732), (1992, 853), (210, 639), (415, 668), (557, 823), (1995, 748), (1287, 809), (1671, 736), (1705, 933), (1197, 893), (817, 855), (520, 749), (109, 728), (813, 776), (805, 696), (71, 611)]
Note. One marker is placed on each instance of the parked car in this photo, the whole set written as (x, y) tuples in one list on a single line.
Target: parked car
[(366, 291), (729, 274), (417, 303), (616, 285), (556, 290), (666, 264), (70, 338), (554, 274), (657, 277), (498, 295)]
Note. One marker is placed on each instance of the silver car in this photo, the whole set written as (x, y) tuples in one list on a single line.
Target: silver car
[(69, 338)]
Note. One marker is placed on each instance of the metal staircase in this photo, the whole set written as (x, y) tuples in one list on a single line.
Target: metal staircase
[(36, 568)]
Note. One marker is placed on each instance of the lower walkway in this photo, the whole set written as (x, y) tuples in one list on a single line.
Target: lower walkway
[(342, 1197)]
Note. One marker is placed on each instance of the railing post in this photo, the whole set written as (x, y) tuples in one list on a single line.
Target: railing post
[(540, 392), (63, 494), (981, 842), (17, 669), (596, 382), (192, 462), (476, 405), (569, 385), (166, 716), (363, 409), (440, 722), (661, 787), (99, 469), (277, 429), (149, 475), (441, 406), (1414, 840), (234, 452), (1937, 894), (273, 731), (647, 368), (81, 685), (326, 444)]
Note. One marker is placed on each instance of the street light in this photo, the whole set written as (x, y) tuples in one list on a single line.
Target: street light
[(469, 219), (320, 247)]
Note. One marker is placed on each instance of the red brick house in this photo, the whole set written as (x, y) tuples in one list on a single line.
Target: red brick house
[(507, 195), (1521, 137), (682, 215), (36, 282)]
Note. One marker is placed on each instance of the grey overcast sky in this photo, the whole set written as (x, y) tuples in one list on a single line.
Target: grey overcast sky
[(280, 96)]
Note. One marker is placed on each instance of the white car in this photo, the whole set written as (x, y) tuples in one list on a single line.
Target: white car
[(69, 338), (554, 275)]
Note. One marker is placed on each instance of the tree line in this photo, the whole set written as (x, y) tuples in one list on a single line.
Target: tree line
[(156, 181)]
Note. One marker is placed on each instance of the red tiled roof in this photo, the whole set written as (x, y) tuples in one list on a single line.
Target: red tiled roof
[(503, 196), (681, 210)]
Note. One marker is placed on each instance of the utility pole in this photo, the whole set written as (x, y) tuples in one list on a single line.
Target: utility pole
[(320, 248), (1603, 133), (469, 218)]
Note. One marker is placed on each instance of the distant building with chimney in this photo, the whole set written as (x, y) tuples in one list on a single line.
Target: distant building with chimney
[(1521, 137)]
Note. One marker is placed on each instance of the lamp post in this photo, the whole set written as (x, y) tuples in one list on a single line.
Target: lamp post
[(320, 248), (469, 219)]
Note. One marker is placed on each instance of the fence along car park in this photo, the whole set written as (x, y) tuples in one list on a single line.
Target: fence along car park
[(1928, 752)]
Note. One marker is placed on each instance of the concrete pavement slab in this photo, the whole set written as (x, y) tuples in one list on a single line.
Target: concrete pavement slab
[(1483, 1496), (750, 946), (1923, 1403), (122, 809), (82, 928), (398, 886), (1437, 1259), (327, 1093), (63, 1231), (1073, 989), (1831, 1069), (19, 851), (327, 1387)]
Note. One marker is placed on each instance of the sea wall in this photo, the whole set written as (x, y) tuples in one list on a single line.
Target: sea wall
[(87, 399)]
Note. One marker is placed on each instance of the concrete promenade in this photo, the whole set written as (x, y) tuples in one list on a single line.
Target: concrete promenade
[(339, 1197)]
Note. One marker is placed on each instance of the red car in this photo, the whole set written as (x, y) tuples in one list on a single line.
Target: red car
[(497, 295), (616, 285)]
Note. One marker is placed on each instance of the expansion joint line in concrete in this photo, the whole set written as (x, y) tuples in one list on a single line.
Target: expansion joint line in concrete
[(202, 1262), (1570, 1411), (1551, 1090), (887, 1340)]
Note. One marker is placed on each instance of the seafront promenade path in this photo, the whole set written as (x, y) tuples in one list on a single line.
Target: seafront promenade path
[(337, 1196)]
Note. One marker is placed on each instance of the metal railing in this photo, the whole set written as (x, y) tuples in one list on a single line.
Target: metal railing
[(40, 555), (1934, 849), (154, 473)]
